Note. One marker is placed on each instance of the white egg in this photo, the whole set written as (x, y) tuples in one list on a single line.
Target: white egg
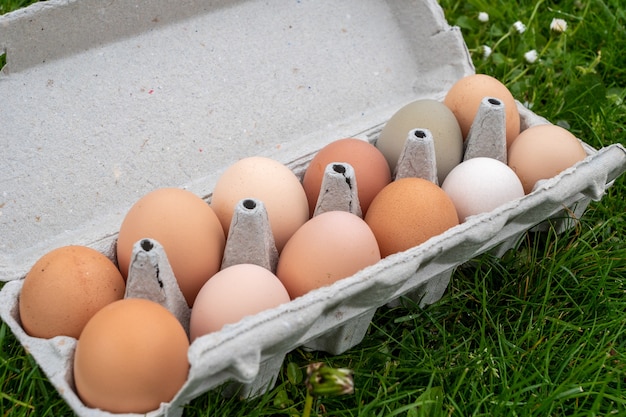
[(480, 185)]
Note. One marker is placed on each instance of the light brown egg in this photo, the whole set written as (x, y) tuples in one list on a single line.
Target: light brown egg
[(269, 181), (543, 151), (131, 357), (464, 99), (65, 288), (408, 212), (370, 169), (233, 293), (331, 246), (186, 227)]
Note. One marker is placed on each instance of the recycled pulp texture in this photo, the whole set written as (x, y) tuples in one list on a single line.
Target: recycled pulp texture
[(135, 95), (335, 318), (142, 94)]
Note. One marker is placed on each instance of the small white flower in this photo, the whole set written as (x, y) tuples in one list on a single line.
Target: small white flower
[(520, 27), (531, 56), (558, 25), (486, 51), (483, 17)]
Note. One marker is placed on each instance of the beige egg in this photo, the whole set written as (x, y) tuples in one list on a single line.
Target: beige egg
[(331, 246), (543, 151), (233, 293), (131, 357), (186, 227), (269, 181), (65, 288)]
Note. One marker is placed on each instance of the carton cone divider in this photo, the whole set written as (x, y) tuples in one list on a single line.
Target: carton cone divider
[(338, 191), (250, 239), (417, 158), (487, 135), (150, 276)]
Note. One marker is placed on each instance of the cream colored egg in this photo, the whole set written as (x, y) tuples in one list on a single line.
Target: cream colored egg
[(269, 181), (479, 185), (233, 293)]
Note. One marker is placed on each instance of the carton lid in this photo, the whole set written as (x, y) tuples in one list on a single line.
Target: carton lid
[(136, 95)]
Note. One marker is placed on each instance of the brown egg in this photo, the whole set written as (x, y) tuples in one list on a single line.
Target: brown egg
[(543, 151), (233, 293), (465, 95), (408, 212), (269, 181), (186, 227), (131, 357), (370, 167), (65, 288), (331, 246)]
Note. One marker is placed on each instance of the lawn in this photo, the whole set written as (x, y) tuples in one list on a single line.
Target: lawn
[(538, 332)]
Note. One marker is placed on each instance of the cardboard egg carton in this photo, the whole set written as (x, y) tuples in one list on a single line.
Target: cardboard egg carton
[(139, 94)]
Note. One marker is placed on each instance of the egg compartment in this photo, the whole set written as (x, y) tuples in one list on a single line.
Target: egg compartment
[(334, 318), (163, 77)]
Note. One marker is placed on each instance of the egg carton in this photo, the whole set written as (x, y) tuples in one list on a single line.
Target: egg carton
[(140, 94)]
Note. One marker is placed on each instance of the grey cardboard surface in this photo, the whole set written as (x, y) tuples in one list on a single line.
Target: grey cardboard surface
[(142, 94), (90, 129)]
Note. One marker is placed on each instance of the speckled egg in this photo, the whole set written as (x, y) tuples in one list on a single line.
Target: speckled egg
[(65, 288)]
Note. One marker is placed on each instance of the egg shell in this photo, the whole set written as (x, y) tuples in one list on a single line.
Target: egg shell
[(233, 293), (481, 184), (543, 151), (464, 98), (65, 288), (331, 246), (131, 357), (424, 114), (186, 227), (407, 212), (370, 167), (199, 116), (269, 181)]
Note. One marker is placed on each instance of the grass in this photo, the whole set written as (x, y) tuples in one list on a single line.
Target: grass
[(538, 332)]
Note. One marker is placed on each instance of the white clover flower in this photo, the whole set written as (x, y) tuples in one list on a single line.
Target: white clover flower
[(558, 25), (520, 27), (483, 17), (486, 51), (531, 56)]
